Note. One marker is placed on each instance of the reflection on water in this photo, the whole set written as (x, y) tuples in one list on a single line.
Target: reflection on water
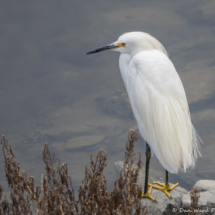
[(50, 91)]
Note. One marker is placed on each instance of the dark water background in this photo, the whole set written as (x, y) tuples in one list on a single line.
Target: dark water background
[(50, 91)]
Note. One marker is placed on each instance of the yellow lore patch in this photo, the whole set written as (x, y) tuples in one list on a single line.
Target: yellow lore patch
[(120, 44)]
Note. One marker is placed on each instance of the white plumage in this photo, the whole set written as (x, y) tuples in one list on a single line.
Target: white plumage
[(158, 101)]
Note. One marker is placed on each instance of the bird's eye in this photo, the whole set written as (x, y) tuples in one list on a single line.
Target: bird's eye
[(123, 44)]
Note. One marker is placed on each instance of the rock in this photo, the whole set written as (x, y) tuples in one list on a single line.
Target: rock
[(87, 140), (165, 205), (118, 165), (204, 185), (181, 199), (207, 197)]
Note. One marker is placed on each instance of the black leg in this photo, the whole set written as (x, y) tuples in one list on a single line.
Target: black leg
[(148, 156), (167, 178), (147, 192)]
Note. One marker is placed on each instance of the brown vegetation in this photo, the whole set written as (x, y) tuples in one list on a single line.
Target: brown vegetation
[(194, 195), (56, 194)]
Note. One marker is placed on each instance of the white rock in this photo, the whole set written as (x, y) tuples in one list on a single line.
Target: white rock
[(206, 203), (204, 185)]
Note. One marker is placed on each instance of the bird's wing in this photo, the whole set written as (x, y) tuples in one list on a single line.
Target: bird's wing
[(160, 107), (124, 61)]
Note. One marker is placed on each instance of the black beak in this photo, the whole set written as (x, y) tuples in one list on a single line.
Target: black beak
[(110, 46)]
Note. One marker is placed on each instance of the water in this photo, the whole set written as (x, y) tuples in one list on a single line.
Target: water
[(50, 91)]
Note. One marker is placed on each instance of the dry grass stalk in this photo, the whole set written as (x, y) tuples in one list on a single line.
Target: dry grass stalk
[(194, 195), (127, 192), (56, 194)]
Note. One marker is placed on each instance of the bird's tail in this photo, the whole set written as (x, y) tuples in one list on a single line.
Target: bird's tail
[(176, 144), (196, 145)]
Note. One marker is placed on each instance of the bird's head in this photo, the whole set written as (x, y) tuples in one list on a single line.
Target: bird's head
[(132, 43)]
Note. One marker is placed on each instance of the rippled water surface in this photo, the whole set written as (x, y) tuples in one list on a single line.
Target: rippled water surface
[(51, 91)]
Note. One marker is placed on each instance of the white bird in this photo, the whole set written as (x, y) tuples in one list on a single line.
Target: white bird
[(159, 104)]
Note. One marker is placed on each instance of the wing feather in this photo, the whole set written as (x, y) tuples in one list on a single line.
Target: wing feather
[(160, 107)]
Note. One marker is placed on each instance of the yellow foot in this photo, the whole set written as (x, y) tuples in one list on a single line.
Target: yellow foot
[(165, 188), (147, 195)]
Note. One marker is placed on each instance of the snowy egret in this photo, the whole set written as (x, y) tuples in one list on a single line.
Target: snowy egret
[(159, 104)]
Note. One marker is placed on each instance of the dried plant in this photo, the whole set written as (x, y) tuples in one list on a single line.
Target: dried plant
[(127, 192), (56, 194), (194, 195), (93, 194), (20, 204), (58, 197)]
